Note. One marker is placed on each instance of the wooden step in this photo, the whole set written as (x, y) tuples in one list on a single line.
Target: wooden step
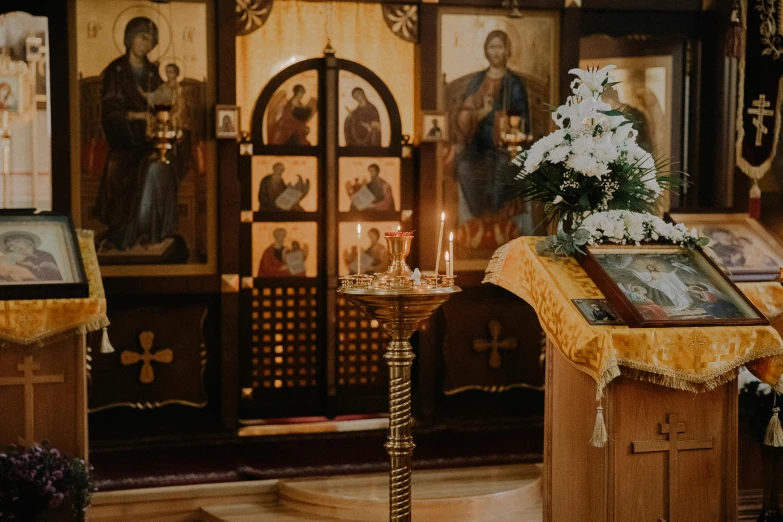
[(486, 494)]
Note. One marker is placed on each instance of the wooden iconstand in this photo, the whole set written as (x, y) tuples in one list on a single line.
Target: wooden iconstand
[(671, 456), (43, 395)]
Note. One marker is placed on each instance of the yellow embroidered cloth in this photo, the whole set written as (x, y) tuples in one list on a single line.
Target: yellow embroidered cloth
[(695, 359), (42, 321)]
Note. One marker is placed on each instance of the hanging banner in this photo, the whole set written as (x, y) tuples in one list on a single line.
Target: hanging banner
[(760, 86)]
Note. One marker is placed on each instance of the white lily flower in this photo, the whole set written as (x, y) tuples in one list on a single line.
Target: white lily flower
[(592, 80)]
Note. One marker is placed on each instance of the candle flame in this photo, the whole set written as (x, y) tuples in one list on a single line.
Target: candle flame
[(451, 237), (442, 217), (399, 228), (447, 257), (359, 228)]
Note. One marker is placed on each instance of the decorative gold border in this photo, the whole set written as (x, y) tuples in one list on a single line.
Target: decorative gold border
[(753, 172), (211, 266), (168, 402)]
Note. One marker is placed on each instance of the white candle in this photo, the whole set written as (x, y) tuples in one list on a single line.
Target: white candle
[(448, 264), (451, 252), (440, 241), (359, 248)]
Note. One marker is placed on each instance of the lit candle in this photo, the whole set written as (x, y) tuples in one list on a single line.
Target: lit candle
[(399, 228), (448, 264), (451, 252), (440, 241), (359, 248)]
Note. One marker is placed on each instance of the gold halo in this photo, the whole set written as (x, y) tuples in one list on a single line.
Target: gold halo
[(491, 25), (165, 61), (164, 29)]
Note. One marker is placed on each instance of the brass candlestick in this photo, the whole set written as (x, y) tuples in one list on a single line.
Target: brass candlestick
[(399, 304)]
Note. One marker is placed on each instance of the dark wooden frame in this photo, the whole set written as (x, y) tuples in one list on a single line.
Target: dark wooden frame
[(48, 290), (674, 46), (628, 312)]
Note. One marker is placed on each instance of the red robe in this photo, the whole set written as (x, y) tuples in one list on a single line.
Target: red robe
[(271, 265)]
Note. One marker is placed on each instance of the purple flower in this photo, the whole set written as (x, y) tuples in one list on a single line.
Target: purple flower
[(57, 500)]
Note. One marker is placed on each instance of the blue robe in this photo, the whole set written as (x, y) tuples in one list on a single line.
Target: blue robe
[(478, 165)]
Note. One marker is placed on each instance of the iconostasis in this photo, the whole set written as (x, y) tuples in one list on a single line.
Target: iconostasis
[(298, 122)]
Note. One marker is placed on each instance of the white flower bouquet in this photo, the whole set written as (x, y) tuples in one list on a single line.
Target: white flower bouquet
[(592, 162)]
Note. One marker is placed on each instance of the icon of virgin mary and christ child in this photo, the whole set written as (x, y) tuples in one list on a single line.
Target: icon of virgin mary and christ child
[(138, 194), (487, 99)]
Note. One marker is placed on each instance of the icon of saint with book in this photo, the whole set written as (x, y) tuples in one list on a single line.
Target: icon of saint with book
[(275, 194), (375, 194)]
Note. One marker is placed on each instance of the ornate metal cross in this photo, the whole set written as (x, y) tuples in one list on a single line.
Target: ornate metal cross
[(760, 110), (146, 340), (29, 381), (674, 445), (482, 345)]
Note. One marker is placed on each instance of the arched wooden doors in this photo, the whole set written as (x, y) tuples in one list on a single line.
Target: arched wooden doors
[(327, 156)]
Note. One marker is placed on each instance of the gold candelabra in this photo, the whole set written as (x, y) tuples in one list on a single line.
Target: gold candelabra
[(399, 302)]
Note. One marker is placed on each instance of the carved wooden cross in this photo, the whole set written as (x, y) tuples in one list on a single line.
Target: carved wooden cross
[(674, 445), (29, 381), (482, 345), (760, 109), (146, 340)]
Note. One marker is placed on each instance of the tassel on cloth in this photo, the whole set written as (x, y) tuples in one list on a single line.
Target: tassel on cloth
[(754, 200), (734, 34), (600, 437), (106, 346), (774, 435)]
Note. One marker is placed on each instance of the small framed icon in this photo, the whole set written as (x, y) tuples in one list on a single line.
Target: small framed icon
[(434, 126), (226, 122), (597, 312)]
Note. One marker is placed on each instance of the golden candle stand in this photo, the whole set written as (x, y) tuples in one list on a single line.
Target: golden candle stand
[(399, 303)]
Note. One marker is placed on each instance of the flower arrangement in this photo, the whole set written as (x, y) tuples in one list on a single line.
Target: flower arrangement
[(39, 478), (591, 173)]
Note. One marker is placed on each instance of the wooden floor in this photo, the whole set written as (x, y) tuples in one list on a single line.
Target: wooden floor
[(486, 494), (479, 494)]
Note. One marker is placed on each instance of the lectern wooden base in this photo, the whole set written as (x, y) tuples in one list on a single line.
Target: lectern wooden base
[(671, 456), (43, 395)]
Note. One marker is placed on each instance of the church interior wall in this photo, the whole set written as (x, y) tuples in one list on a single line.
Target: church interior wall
[(455, 391)]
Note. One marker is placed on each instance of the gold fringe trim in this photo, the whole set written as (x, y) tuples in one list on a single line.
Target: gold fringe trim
[(496, 264), (51, 337)]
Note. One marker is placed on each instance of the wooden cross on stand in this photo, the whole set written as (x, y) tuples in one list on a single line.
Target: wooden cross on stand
[(760, 110), (482, 345), (29, 381), (674, 445), (147, 340)]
